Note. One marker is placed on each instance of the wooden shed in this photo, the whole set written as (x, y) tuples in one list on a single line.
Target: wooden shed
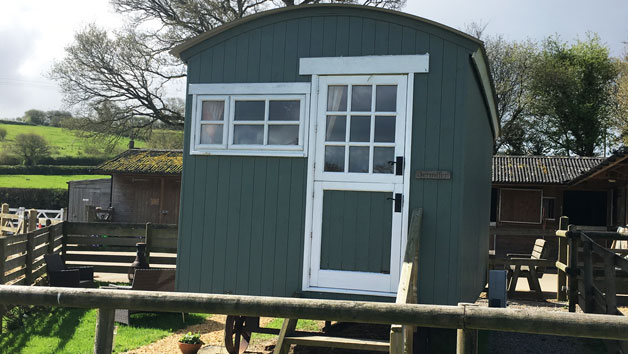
[(145, 185), (311, 132)]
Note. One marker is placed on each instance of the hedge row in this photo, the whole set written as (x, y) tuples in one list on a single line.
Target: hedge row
[(14, 122), (45, 170), (75, 161), (34, 198)]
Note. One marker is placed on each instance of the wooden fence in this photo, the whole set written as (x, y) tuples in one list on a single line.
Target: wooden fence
[(592, 273), (460, 317), (110, 247), (21, 256)]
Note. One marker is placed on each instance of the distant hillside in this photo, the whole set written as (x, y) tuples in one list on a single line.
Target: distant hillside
[(64, 142)]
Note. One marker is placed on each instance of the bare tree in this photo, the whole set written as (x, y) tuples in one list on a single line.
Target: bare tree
[(129, 71)]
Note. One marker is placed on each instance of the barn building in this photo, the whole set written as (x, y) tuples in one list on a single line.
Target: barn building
[(311, 132), (145, 185)]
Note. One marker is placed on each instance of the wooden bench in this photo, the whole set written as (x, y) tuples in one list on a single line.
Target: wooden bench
[(147, 280), (531, 266)]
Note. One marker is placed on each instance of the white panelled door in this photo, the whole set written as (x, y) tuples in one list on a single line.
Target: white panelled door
[(358, 184)]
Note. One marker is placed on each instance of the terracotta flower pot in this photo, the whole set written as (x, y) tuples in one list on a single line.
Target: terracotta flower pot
[(189, 348)]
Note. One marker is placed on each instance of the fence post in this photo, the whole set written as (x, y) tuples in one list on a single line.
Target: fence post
[(148, 239), (4, 210), (561, 289), (103, 343), (32, 220), (572, 266), (30, 246), (51, 238), (588, 277), (3, 244), (396, 339), (609, 278), (467, 338)]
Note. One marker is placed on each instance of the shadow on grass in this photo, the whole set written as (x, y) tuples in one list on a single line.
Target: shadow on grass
[(164, 320), (64, 330), (56, 322)]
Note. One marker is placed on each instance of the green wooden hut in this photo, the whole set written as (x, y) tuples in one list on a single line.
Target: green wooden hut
[(311, 132)]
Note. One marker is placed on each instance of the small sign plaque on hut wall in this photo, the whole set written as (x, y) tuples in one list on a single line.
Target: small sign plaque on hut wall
[(432, 174)]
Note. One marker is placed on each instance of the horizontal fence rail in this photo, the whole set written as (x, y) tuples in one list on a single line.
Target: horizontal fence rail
[(460, 317), (110, 247)]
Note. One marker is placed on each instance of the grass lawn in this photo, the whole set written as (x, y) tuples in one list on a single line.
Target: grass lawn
[(70, 331), (63, 141), (302, 325), (42, 181)]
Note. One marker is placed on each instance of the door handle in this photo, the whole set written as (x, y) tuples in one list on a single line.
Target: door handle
[(398, 165), (397, 199)]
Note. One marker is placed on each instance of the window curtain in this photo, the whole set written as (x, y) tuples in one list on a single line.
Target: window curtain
[(213, 110), (335, 95)]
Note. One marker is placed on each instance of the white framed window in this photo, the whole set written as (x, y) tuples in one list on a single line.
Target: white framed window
[(262, 119)]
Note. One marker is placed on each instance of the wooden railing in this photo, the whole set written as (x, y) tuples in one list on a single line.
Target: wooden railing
[(110, 247), (592, 273), (21, 256), (407, 293), (460, 317)]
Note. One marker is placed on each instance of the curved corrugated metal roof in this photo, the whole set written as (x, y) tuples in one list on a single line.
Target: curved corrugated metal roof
[(540, 169), (176, 51)]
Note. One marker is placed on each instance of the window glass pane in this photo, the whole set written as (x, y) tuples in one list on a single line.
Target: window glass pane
[(385, 129), (336, 128), (283, 135), (249, 110), (211, 133), (213, 110), (337, 98), (360, 128), (284, 110), (334, 158), (361, 98), (359, 159), (381, 159), (386, 98), (248, 134)]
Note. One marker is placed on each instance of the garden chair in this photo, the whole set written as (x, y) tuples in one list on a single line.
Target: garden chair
[(147, 280), (530, 265), (61, 275)]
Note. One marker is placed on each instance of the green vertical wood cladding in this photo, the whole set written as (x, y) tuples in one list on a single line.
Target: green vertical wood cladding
[(242, 218), (356, 231)]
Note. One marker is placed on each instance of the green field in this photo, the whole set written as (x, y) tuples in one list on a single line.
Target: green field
[(64, 142), (42, 181)]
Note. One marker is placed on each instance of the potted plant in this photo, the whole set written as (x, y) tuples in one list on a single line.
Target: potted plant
[(190, 343)]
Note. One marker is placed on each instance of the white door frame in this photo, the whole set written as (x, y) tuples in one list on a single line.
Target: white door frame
[(307, 284)]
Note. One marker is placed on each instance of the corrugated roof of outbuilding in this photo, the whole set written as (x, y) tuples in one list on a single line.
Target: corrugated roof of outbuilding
[(540, 169), (145, 161)]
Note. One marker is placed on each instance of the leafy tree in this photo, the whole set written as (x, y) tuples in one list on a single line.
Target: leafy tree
[(166, 139), (30, 148), (130, 68), (572, 94), (620, 124), (3, 134), (35, 116), (56, 117), (511, 63)]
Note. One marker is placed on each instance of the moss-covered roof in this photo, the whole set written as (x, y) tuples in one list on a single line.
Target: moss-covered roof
[(145, 161)]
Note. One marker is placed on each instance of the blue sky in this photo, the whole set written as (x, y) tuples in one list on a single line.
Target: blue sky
[(33, 33)]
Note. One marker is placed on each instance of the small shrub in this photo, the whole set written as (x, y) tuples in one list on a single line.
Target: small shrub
[(3, 134)]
